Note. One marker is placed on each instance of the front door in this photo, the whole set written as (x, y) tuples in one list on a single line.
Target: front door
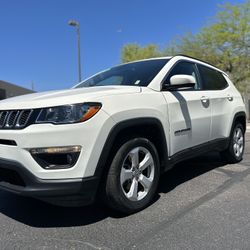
[(189, 111)]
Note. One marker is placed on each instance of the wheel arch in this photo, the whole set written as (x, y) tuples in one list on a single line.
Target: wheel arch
[(241, 118), (150, 128)]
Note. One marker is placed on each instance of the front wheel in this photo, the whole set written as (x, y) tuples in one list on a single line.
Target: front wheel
[(133, 176), (235, 150)]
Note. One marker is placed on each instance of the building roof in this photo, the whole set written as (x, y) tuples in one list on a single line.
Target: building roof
[(13, 90)]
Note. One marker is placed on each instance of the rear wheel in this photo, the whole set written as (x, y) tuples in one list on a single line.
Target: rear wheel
[(133, 176), (235, 150)]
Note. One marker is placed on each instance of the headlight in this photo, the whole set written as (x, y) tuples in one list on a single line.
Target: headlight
[(68, 113)]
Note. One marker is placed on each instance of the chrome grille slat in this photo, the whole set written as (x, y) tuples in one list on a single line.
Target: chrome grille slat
[(3, 117), (23, 118), (11, 119)]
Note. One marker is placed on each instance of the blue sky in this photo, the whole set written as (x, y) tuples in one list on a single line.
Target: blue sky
[(36, 43)]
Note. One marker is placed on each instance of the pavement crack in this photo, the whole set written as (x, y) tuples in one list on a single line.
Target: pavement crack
[(229, 173), (81, 242), (54, 241)]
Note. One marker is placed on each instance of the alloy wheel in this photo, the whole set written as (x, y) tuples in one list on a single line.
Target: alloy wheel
[(137, 173), (238, 142)]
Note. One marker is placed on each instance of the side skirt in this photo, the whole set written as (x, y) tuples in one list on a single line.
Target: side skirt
[(215, 145)]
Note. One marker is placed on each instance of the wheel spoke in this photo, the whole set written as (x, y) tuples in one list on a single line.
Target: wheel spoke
[(235, 148), (126, 174), (146, 182), (241, 149), (133, 191), (235, 136), (134, 155), (146, 162), (238, 133)]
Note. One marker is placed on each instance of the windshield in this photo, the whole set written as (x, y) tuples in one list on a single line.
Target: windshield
[(135, 74)]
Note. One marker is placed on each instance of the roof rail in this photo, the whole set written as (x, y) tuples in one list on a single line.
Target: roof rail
[(196, 59)]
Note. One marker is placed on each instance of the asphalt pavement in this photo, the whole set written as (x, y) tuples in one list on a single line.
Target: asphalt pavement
[(201, 204)]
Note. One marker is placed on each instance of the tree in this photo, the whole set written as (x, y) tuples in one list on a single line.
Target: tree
[(225, 42), (132, 52)]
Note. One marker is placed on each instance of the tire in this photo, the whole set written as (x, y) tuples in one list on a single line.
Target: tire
[(234, 152), (133, 176)]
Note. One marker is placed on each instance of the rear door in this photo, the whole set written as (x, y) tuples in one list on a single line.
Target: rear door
[(189, 111), (221, 100)]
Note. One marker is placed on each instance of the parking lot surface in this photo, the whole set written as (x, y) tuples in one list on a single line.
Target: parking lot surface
[(201, 204)]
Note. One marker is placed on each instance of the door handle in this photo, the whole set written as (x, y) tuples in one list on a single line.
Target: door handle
[(230, 98), (204, 99)]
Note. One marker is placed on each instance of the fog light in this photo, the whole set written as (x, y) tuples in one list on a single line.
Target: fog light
[(56, 150), (56, 157)]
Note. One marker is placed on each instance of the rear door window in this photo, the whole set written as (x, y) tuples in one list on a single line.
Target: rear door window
[(212, 79)]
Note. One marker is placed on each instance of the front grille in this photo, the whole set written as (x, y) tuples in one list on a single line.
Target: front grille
[(8, 142), (14, 119)]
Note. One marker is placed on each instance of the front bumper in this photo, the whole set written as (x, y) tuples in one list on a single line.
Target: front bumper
[(90, 135), (15, 178)]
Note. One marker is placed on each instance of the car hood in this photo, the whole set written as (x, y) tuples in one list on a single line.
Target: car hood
[(62, 97)]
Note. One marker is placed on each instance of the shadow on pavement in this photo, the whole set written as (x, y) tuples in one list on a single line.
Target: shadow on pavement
[(39, 214), (188, 170), (36, 213)]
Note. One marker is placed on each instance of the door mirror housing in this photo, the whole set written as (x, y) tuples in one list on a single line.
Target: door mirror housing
[(180, 82)]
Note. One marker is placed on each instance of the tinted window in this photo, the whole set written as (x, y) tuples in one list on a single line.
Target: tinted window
[(136, 73), (212, 79), (113, 80), (184, 68)]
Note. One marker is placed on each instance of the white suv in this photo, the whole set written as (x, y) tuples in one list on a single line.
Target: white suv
[(113, 134)]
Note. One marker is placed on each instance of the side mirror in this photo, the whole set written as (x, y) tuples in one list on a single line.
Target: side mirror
[(180, 82)]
